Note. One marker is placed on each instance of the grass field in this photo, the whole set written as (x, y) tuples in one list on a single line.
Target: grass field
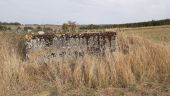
[(157, 34), (140, 67)]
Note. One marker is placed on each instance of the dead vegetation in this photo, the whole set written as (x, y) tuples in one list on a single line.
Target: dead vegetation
[(138, 67)]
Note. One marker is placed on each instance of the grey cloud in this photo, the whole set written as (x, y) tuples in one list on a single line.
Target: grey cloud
[(83, 11)]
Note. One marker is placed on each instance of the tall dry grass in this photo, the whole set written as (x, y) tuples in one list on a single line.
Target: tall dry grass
[(136, 61)]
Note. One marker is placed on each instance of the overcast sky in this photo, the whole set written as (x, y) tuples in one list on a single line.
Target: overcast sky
[(83, 11)]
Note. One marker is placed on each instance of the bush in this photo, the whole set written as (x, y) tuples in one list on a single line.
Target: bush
[(4, 28), (28, 28), (69, 27), (39, 28), (47, 29)]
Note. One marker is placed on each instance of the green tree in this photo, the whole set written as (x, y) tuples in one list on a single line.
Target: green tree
[(3, 28)]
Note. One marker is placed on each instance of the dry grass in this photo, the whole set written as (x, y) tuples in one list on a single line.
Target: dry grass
[(158, 34), (140, 67)]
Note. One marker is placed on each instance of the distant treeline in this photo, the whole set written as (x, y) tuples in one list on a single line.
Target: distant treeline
[(9, 23), (4, 25), (128, 25), (4, 28)]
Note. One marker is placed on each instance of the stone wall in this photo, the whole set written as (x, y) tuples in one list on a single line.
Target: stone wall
[(70, 45)]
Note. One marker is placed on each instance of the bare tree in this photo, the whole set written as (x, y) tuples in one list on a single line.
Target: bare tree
[(69, 27)]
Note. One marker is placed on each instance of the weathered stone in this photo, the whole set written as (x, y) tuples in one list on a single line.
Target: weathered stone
[(70, 45)]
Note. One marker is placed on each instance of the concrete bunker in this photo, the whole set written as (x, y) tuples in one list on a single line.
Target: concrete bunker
[(50, 45)]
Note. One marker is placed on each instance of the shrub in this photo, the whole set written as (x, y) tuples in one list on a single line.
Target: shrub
[(70, 27)]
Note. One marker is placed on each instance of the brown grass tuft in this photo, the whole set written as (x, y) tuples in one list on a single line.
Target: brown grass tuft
[(136, 62)]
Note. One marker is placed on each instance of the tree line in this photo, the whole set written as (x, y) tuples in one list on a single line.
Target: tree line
[(4, 25), (9, 23), (4, 28), (128, 25)]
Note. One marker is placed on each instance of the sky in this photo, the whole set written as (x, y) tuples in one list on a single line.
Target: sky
[(83, 11)]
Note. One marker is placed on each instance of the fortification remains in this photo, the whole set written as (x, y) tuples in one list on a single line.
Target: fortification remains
[(69, 45)]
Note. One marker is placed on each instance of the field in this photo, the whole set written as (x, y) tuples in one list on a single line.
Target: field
[(159, 34), (139, 67)]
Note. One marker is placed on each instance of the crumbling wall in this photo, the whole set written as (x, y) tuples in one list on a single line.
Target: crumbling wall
[(70, 45)]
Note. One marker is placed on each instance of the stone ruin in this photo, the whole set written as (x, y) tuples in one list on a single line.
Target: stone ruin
[(69, 45)]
